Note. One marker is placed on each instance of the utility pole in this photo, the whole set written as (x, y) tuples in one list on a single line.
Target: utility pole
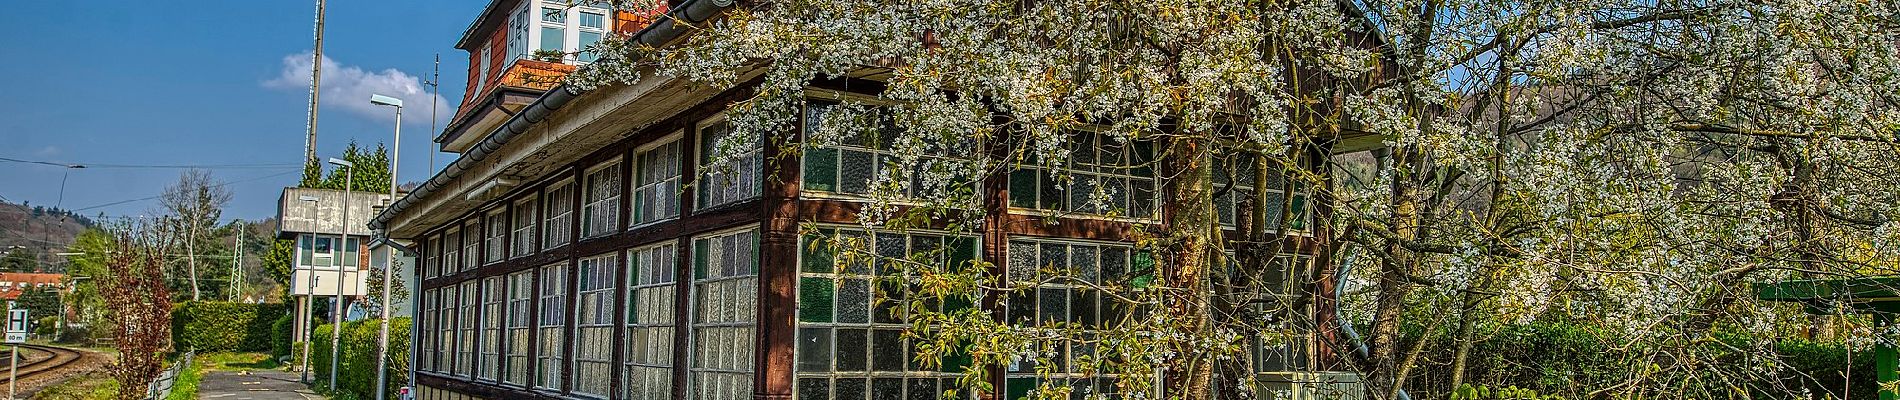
[(316, 79), (336, 313), (435, 91)]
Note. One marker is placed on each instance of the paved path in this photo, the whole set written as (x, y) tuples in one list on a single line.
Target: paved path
[(253, 385)]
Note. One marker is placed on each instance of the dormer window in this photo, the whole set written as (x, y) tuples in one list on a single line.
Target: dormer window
[(557, 26)]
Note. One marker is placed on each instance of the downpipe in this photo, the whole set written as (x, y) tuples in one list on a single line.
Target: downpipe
[(1339, 316)]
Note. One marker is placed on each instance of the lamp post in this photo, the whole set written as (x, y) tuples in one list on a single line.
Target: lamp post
[(389, 264), (309, 300), (336, 312)]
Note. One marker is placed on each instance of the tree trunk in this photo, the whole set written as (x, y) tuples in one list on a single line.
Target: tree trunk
[(1195, 230), (1394, 276), (1461, 357), (191, 257)]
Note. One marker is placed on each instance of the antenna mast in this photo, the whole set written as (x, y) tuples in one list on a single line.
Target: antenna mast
[(316, 79), (435, 91)]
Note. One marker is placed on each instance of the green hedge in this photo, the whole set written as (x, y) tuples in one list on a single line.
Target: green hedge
[(280, 337), (357, 370), (214, 326), (1571, 360)]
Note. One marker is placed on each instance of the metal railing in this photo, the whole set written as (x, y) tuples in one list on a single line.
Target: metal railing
[(161, 387)]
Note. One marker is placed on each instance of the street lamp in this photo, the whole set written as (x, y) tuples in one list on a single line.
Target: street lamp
[(310, 298), (389, 264), (336, 312)]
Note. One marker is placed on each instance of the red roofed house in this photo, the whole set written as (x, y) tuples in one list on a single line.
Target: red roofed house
[(14, 284)]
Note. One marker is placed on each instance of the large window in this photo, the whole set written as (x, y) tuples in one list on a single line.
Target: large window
[(856, 163), (495, 243), (451, 249), (656, 185), (556, 25), (518, 26), (520, 299), (1234, 195), (593, 324), (522, 243), (482, 60), (600, 210), (446, 329), (431, 255), (553, 312), (729, 179), (492, 292), (1054, 301), (725, 304), (559, 207), (425, 323), (322, 251), (850, 327), (465, 340), (1278, 285), (553, 28), (1105, 176), (589, 25), (650, 308), (471, 245)]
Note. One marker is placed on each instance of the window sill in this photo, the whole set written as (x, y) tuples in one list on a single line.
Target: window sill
[(652, 223), (727, 205)]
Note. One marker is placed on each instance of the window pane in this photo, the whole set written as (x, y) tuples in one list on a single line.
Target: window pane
[(814, 299), (857, 169), (553, 39), (594, 20), (814, 349), (821, 169), (587, 39), (854, 301), (1022, 188)]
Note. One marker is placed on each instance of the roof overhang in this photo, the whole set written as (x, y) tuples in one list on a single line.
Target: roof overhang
[(594, 120), (496, 108), (489, 20)]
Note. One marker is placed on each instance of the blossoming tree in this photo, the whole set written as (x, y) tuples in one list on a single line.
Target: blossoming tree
[(1634, 163)]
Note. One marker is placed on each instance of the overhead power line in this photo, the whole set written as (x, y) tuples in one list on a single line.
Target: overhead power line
[(149, 166), (40, 162), (154, 197)]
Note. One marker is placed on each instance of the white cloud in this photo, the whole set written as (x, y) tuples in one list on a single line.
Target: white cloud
[(348, 88)]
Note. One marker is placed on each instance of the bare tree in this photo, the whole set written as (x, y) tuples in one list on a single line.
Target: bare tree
[(197, 200), (139, 302)]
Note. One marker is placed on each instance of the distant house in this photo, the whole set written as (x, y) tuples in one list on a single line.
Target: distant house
[(329, 259), (14, 284)]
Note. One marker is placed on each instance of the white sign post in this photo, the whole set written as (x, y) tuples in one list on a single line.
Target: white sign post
[(16, 334)]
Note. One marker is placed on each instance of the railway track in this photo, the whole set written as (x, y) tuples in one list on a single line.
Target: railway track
[(55, 358)]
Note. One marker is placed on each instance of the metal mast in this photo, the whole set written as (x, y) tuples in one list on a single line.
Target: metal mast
[(435, 91), (316, 79)]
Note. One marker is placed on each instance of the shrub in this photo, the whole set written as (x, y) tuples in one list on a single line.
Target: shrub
[(46, 327), (356, 370), (1570, 360), (212, 326), (280, 337)]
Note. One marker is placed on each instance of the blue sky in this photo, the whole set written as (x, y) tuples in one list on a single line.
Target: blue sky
[(209, 83)]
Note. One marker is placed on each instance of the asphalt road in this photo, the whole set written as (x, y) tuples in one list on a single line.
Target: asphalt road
[(253, 385)]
